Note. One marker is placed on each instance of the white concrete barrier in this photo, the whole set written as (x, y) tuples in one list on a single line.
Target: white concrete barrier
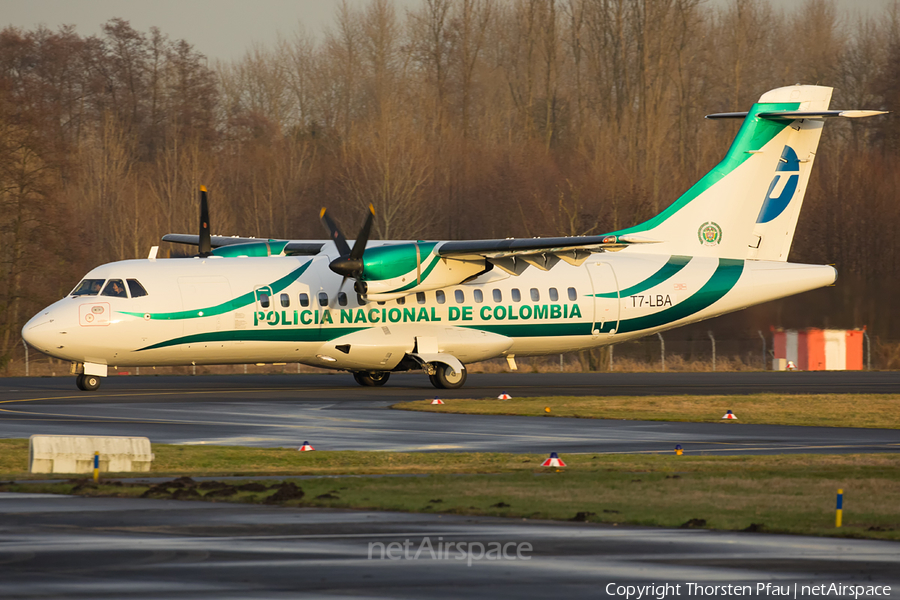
[(75, 454)]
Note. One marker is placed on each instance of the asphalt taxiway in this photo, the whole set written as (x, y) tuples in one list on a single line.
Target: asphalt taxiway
[(334, 414), (71, 547)]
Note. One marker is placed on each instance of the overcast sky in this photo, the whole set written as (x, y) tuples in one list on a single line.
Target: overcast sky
[(223, 29)]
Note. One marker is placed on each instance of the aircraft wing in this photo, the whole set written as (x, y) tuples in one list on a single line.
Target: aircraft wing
[(299, 247), (514, 255), (471, 249)]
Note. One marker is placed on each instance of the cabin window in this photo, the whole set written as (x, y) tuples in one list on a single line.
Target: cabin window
[(342, 299), (535, 295), (381, 303), (516, 296), (88, 287), (498, 295), (401, 301), (114, 288), (572, 294), (439, 296), (304, 300), (360, 300), (420, 297), (479, 296), (554, 295), (460, 296), (323, 299), (285, 300), (136, 289)]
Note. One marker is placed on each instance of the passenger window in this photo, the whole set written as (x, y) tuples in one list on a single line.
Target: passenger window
[(516, 296), (535, 295), (264, 300), (114, 288), (304, 300), (439, 296), (88, 287), (460, 296), (136, 289), (285, 300), (572, 294), (323, 299), (360, 300), (401, 301), (554, 295), (498, 296), (342, 299), (479, 297), (382, 303), (420, 297)]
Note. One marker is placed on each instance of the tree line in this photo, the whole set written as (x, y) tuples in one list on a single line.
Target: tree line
[(456, 119)]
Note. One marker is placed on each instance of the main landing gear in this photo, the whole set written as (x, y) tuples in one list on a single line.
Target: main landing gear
[(445, 378), (87, 383), (371, 378)]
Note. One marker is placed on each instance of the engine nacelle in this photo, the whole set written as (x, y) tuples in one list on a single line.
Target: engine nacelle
[(398, 270)]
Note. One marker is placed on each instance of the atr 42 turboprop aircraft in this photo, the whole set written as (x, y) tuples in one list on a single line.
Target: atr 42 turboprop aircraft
[(720, 247)]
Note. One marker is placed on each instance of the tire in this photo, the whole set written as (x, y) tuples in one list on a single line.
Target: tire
[(371, 378), (79, 382), (445, 379), (89, 383)]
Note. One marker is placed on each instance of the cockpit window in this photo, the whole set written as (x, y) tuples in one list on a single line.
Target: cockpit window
[(114, 288), (88, 287), (136, 289)]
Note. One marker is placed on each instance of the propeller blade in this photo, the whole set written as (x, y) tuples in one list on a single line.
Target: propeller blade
[(362, 239), (351, 264), (339, 240), (204, 244), (337, 293)]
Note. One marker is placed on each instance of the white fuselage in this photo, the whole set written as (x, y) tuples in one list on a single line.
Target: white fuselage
[(252, 310)]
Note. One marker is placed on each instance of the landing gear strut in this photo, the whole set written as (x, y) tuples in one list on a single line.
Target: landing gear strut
[(87, 383), (371, 378), (445, 378)]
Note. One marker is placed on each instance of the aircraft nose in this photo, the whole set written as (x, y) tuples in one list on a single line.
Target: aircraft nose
[(43, 332)]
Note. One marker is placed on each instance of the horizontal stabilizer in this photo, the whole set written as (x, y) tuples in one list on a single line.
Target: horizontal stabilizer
[(791, 115)]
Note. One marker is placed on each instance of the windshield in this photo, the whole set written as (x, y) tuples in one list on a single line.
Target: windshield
[(115, 288), (88, 287)]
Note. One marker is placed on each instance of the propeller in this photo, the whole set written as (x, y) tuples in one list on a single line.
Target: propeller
[(204, 245), (350, 262)]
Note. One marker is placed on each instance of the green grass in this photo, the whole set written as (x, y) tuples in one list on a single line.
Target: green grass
[(786, 493), (825, 410)]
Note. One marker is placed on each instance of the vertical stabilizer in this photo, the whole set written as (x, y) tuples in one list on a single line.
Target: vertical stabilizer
[(747, 205)]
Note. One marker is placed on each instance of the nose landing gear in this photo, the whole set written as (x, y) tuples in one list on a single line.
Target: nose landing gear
[(87, 383)]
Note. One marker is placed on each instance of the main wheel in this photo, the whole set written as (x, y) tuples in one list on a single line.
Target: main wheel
[(445, 378), (371, 378), (87, 383)]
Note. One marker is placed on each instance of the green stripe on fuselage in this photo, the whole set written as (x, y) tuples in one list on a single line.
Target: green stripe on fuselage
[(230, 305), (675, 264)]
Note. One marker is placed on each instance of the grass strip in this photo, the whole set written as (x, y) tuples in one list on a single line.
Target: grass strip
[(782, 493), (823, 410)]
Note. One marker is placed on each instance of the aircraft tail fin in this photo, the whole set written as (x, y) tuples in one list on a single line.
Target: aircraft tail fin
[(747, 206)]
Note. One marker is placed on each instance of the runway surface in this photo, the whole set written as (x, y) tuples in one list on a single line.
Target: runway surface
[(333, 413), (71, 547)]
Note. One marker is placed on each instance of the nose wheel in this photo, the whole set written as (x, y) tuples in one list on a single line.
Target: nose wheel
[(87, 383)]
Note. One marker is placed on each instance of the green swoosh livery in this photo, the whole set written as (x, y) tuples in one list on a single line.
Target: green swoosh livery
[(668, 270), (233, 304)]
